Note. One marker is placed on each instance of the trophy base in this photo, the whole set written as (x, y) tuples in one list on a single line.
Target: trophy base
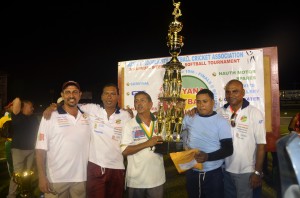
[(168, 147)]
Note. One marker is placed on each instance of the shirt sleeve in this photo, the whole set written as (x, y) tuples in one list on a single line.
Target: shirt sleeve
[(43, 134), (127, 138), (224, 128), (259, 129)]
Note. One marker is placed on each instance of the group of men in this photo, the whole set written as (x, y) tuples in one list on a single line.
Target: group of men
[(232, 137), (101, 164), (102, 127), (80, 148)]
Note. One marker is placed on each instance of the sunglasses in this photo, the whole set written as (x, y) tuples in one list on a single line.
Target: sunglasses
[(232, 119)]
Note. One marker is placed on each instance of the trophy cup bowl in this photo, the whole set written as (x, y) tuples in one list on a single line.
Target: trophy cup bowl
[(23, 180)]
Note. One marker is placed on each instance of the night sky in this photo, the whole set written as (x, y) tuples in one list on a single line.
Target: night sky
[(43, 45)]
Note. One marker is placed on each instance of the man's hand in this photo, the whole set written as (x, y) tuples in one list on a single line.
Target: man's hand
[(201, 157), (129, 111), (155, 140), (255, 181), (191, 112), (45, 186), (47, 113)]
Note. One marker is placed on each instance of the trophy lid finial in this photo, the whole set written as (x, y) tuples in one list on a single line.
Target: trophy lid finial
[(177, 11)]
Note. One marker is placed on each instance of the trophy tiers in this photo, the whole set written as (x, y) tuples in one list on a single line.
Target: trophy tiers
[(171, 106)]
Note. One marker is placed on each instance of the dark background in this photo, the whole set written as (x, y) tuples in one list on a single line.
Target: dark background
[(43, 45)]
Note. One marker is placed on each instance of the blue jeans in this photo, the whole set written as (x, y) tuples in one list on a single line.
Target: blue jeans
[(205, 184)]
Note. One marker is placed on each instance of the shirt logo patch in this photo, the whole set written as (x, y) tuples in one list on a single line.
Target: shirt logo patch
[(244, 118), (138, 134), (41, 137), (118, 121), (84, 116), (260, 121)]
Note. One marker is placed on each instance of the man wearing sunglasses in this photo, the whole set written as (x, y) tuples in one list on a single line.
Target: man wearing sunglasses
[(243, 169)]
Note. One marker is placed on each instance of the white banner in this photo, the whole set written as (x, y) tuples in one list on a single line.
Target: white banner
[(212, 71)]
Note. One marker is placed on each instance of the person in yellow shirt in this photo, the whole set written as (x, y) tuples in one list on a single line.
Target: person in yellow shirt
[(6, 132)]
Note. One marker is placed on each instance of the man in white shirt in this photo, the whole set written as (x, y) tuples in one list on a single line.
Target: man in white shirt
[(243, 169), (145, 174), (105, 170), (62, 147)]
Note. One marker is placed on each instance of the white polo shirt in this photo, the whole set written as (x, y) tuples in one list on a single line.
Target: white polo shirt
[(106, 136), (66, 140), (145, 168), (249, 131)]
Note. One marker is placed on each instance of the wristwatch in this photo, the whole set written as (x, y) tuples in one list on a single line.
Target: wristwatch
[(258, 173)]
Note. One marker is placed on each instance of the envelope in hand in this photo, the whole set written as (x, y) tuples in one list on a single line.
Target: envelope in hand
[(185, 160)]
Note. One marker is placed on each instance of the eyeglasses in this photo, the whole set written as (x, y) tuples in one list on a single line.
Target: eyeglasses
[(232, 119)]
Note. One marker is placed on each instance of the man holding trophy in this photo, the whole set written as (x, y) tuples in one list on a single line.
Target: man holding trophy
[(145, 174)]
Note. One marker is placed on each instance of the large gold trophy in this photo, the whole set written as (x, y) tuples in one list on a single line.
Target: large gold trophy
[(24, 180), (171, 107)]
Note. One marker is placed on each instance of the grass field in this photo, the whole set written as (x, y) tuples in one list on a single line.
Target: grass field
[(175, 185)]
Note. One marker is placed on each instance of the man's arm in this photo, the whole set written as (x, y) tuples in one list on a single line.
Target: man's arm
[(225, 151), (16, 106), (48, 111), (41, 167), (260, 156), (130, 112), (132, 149), (191, 112), (256, 177)]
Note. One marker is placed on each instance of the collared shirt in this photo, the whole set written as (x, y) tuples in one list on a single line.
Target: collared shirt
[(106, 136), (145, 168), (66, 140), (248, 132)]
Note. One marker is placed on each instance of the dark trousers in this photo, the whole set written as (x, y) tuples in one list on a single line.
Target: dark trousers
[(104, 182), (257, 192), (155, 192), (205, 184)]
